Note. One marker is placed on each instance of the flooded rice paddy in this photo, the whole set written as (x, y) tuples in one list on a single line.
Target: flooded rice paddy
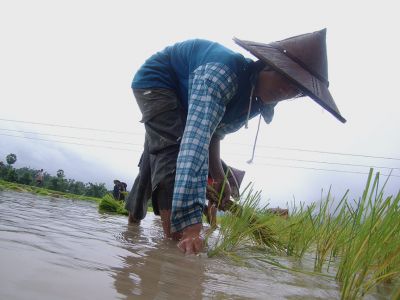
[(64, 249)]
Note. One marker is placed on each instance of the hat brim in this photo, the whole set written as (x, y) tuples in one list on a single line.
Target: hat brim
[(305, 81)]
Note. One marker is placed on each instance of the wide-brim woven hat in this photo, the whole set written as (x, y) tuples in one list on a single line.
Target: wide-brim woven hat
[(303, 60)]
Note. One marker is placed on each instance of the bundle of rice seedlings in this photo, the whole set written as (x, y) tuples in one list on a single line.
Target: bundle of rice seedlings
[(110, 205), (243, 226)]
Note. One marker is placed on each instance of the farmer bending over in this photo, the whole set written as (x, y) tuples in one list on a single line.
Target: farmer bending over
[(195, 92)]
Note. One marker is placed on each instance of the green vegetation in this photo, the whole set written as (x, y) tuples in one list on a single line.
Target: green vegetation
[(356, 242), (27, 176), (245, 227), (110, 205), (11, 159), (107, 204), (5, 185)]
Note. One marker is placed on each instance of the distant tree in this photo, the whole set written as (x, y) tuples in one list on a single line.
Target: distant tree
[(11, 158), (26, 175), (60, 173), (3, 170), (54, 183), (46, 180), (26, 178), (11, 175), (96, 189), (75, 187)]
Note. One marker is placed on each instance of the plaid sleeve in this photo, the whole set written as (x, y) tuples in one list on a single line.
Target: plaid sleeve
[(211, 87)]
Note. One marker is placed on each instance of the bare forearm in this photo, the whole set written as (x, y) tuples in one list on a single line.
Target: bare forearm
[(215, 166), (217, 173)]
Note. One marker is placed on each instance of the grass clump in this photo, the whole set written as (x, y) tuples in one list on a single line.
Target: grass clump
[(243, 227), (42, 191), (110, 205), (106, 204), (356, 242), (371, 254)]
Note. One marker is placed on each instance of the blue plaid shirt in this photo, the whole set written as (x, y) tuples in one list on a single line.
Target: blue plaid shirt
[(211, 87)]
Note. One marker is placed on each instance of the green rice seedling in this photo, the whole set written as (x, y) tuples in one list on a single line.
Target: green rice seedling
[(328, 226), (296, 232), (370, 255), (362, 239), (353, 233), (341, 233), (385, 256), (394, 265), (110, 205), (396, 292), (242, 227)]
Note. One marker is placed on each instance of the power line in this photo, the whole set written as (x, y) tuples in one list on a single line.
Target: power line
[(330, 170), (320, 151), (124, 149), (259, 156), (68, 126), (71, 137), (260, 146), (63, 142), (135, 144), (319, 162)]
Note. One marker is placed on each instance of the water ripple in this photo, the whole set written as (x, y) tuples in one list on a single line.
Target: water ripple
[(53, 248)]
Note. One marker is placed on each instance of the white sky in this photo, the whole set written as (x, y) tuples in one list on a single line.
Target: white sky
[(72, 62)]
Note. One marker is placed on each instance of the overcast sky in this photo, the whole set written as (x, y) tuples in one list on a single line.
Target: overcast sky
[(71, 63)]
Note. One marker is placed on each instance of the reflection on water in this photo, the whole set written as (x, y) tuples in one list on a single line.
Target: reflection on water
[(64, 249), (154, 268)]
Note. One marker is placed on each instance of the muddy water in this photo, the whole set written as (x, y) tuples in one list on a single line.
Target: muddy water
[(64, 249)]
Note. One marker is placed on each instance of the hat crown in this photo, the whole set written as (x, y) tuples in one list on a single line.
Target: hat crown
[(309, 50), (303, 60)]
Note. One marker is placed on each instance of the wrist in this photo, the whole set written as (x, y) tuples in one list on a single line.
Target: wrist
[(192, 230)]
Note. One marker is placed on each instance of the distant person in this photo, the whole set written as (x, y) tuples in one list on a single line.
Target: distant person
[(39, 178), (117, 189), (122, 190)]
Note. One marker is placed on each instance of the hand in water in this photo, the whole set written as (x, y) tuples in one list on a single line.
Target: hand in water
[(191, 242)]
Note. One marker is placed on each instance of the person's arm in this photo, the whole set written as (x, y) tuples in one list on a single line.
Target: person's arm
[(217, 172), (212, 86)]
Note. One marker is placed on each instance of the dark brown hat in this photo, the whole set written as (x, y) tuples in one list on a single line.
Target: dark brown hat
[(303, 60)]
